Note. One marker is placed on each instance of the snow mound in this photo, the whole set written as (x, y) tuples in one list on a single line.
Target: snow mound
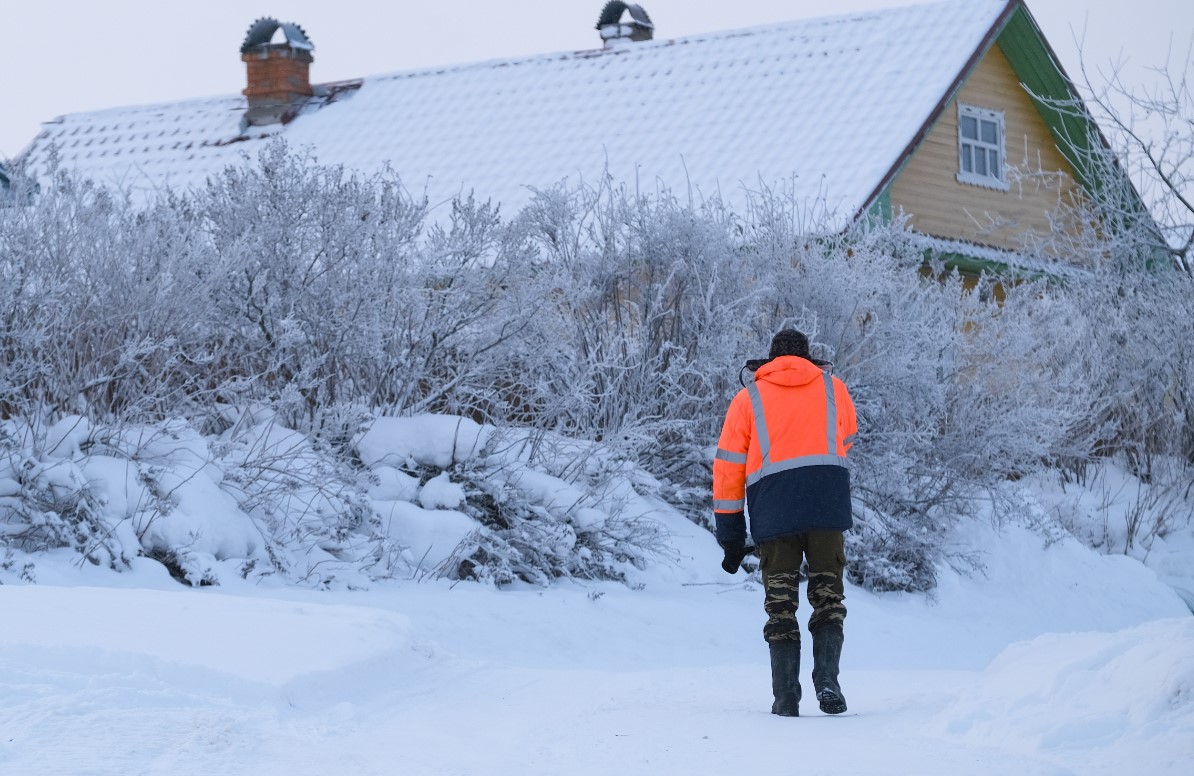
[(441, 493), (1076, 692)]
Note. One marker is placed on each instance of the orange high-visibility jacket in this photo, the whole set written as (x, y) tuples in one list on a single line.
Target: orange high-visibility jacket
[(782, 454)]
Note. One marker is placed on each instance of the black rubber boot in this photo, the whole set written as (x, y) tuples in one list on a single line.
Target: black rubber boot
[(827, 654), (785, 678)]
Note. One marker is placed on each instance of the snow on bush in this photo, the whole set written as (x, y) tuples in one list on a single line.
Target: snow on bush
[(259, 500), (440, 491), (289, 306), (1114, 511), (45, 497), (512, 505), (254, 501), (426, 440)]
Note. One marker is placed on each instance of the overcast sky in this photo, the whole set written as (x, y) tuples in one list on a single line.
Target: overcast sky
[(79, 55)]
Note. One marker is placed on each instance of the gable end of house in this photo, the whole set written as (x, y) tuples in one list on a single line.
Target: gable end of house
[(1004, 148)]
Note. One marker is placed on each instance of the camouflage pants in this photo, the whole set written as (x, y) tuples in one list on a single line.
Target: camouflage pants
[(780, 567)]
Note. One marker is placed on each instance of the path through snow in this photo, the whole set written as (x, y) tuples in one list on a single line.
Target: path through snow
[(1085, 668)]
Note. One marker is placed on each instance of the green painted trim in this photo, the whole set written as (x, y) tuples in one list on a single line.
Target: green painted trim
[(1034, 64), (965, 263), (1037, 67), (970, 265), (880, 209)]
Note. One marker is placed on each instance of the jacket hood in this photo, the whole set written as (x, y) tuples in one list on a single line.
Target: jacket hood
[(789, 370)]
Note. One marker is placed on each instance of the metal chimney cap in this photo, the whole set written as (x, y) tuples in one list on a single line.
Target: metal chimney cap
[(613, 10), (261, 32)]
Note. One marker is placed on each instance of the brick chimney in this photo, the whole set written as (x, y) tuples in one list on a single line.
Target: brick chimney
[(618, 30), (279, 81)]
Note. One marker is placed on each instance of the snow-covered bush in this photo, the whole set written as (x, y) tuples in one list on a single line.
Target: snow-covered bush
[(507, 505), (256, 501), (1133, 232), (573, 512), (648, 306), (332, 290), (660, 303), (258, 326), (46, 499), (308, 504), (98, 306)]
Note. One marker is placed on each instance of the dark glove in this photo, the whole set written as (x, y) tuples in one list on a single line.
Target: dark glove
[(731, 537), (734, 551)]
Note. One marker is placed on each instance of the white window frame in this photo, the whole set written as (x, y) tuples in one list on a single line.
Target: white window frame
[(967, 147)]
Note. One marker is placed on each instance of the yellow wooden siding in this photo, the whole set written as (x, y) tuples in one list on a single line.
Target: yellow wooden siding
[(938, 204)]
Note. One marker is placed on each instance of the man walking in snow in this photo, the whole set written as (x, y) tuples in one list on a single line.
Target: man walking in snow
[(782, 453)]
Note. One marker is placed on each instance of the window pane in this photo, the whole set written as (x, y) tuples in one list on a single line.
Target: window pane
[(967, 165), (980, 163), (994, 162), (970, 127), (989, 132)]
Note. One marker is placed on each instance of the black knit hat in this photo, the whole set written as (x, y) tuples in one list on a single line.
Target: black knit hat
[(789, 342)]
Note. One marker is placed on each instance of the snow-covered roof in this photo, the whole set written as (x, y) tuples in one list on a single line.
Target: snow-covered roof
[(820, 108)]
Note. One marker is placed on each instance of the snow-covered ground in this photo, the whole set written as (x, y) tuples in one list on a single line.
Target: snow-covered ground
[(1057, 661)]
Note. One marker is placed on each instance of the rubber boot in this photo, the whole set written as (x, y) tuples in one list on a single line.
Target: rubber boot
[(785, 678), (827, 654)]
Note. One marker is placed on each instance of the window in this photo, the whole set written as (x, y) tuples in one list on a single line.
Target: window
[(980, 147)]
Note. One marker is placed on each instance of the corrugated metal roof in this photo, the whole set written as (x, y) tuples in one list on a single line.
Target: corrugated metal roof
[(819, 109)]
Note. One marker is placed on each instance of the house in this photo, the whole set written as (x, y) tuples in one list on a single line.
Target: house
[(924, 110)]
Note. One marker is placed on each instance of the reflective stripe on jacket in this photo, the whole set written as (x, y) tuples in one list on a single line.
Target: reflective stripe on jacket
[(783, 450)]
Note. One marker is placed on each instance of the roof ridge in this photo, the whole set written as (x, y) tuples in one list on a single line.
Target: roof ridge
[(657, 43), (578, 54)]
